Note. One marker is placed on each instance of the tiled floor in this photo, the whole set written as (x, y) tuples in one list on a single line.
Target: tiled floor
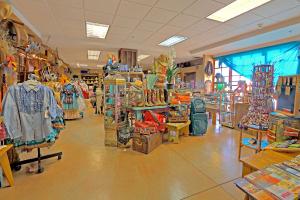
[(202, 168)]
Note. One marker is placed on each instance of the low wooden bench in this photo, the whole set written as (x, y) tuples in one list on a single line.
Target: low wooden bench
[(179, 129)]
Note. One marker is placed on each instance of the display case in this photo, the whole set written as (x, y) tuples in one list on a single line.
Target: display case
[(228, 107), (227, 101), (114, 108)]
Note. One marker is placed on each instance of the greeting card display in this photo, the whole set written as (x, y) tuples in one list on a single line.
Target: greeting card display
[(261, 102)]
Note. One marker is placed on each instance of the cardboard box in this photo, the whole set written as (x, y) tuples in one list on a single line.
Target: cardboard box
[(146, 143)]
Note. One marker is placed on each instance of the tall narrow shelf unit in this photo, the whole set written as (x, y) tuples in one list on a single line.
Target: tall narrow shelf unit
[(114, 107)]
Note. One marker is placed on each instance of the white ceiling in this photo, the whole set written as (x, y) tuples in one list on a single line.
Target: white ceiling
[(143, 24)]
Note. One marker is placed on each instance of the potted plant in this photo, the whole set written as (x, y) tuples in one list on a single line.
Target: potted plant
[(172, 71)]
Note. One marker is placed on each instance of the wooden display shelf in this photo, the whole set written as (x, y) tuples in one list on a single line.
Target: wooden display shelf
[(148, 108)]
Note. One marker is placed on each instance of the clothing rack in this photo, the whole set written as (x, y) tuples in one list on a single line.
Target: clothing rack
[(39, 158)]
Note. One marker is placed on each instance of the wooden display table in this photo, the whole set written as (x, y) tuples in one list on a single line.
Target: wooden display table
[(4, 163), (264, 159), (179, 129), (245, 142)]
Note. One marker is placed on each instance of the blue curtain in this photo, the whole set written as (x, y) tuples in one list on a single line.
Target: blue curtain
[(284, 57)]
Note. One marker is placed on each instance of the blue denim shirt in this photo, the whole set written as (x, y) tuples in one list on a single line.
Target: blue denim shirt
[(28, 112)]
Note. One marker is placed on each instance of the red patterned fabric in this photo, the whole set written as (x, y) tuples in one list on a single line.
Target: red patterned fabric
[(2, 132), (85, 94), (159, 119)]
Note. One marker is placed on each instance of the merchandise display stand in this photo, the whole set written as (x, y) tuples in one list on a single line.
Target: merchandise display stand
[(246, 142), (39, 158), (114, 107), (227, 102)]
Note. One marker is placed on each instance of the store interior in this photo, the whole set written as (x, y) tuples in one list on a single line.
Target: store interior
[(150, 99)]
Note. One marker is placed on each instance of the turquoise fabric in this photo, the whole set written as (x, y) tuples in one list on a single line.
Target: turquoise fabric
[(284, 57)]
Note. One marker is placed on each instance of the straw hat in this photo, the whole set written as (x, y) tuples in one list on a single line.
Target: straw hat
[(5, 10)]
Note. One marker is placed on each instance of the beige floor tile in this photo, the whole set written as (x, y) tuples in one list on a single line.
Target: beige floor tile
[(231, 189), (89, 170), (212, 194)]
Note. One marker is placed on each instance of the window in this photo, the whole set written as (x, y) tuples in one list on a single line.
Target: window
[(231, 77)]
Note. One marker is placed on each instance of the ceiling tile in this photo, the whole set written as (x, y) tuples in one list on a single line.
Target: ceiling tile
[(72, 3), (117, 36), (37, 18), (74, 33), (102, 5), (98, 17), (155, 39), (294, 12), (145, 2), (200, 27), (175, 5), (249, 27), (203, 8), (169, 31), (160, 15), (119, 30), (189, 33), (71, 24), (217, 33), (125, 22), (262, 23), (275, 7), (73, 13), (132, 10), (183, 21), (244, 19), (139, 36), (225, 1), (149, 26)]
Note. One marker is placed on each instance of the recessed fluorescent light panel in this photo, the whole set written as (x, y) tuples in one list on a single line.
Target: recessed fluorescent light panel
[(93, 55), (236, 8), (95, 30), (142, 57), (172, 40)]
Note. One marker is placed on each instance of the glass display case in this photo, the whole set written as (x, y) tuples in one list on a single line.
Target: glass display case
[(227, 107), (114, 107)]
